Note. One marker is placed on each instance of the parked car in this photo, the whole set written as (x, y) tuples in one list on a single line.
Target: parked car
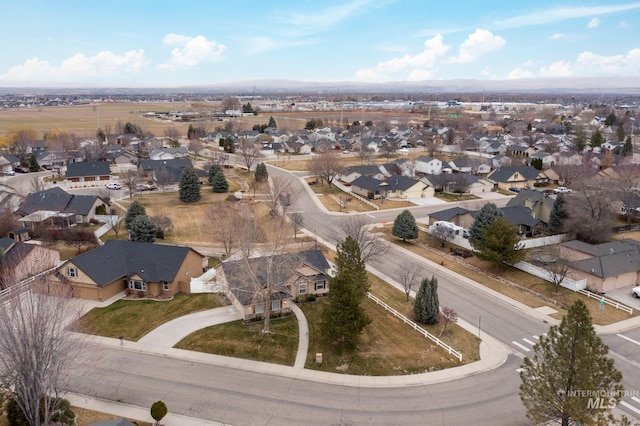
[(114, 185), (635, 292), (561, 190), (21, 169), (145, 187), (8, 173), (514, 189)]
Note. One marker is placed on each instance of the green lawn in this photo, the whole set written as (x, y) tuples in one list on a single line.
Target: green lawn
[(135, 318), (240, 340)]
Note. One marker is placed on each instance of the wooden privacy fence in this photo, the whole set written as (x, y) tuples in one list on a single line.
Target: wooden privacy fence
[(416, 327)]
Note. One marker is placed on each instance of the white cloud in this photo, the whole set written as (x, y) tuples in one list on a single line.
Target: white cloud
[(557, 36), (545, 16), (192, 51), (589, 64), (78, 66), (528, 63), (476, 45), (519, 73), (264, 44), (594, 23), (420, 66)]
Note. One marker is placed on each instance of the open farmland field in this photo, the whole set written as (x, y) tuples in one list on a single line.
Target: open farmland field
[(83, 119)]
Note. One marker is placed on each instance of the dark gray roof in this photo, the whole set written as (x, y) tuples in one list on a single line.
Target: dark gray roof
[(88, 168), (6, 243), (240, 282), (11, 158), (177, 163), (120, 259), (399, 182), (518, 215), (366, 182), (610, 265), (524, 195), (610, 247), (504, 173), (366, 170), (425, 159), (449, 214), (57, 199)]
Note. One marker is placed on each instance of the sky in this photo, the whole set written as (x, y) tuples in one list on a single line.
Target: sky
[(165, 43)]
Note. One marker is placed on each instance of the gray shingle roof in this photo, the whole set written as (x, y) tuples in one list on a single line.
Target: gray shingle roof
[(504, 173), (449, 214), (88, 168), (120, 259), (57, 199), (239, 278), (399, 182), (518, 215), (366, 182)]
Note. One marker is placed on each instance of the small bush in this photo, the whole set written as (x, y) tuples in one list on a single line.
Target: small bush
[(232, 198)]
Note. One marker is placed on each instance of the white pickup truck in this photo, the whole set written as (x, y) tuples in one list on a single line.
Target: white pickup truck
[(635, 292)]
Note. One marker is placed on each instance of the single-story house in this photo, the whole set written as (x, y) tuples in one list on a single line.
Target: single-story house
[(456, 215), (605, 266), (399, 186), (88, 173), (51, 159), (142, 269), (169, 153), (290, 275), (349, 174), (57, 208), (517, 177), (23, 260), (521, 218), (174, 167)]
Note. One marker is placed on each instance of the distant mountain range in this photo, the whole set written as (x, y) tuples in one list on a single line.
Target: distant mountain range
[(578, 85)]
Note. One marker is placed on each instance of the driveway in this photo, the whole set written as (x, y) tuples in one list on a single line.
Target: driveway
[(170, 333)]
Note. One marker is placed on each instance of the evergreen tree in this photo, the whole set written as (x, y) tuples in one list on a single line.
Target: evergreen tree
[(189, 186), (568, 371), (220, 184), (343, 319), (500, 243), (487, 214), (215, 168), (580, 140), (404, 226), (610, 120), (134, 210), (261, 174), (272, 122), (620, 133), (537, 163), (33, 164), (627, 148), (142, 229), (596, 139), (557, 215), (426, 307)]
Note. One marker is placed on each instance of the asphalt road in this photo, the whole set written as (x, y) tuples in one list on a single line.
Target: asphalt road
[(245, 398)]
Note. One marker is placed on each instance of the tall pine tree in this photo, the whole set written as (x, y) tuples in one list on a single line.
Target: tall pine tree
[(134, 210), (142, 229), (426, 306), (499, 244), (220, 184), (189, 186), (569, 370), (557, 215), (215, 168), (404, 226), (343, 319), (487, 214), (261, 174)]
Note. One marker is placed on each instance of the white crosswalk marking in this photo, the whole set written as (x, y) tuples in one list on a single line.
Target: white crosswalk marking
[(524, 348), (630, 407), (529, 342), (629, 339), (536, 337)]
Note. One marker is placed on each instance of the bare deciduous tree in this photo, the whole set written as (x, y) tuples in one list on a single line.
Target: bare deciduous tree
[(279, 194), (233, 226), (162, 223), (440, 233), (195, 146), (130, 178), (249, 151), (326, 166), (409, 276), (447, 315), (297, 221), (589, 215), (35, 348), (172, 133), (220, 158), (37, 184), (230, 103), (372, 246), (163, 177), (365, 154), (115, 222)]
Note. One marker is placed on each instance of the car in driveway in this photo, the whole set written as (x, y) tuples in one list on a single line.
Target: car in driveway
[(114, 185), (635, 292), (514, 189), (561, 190), (145, 187)]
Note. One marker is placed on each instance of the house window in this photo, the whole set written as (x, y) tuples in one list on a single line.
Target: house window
[(259, 308), (78, 218), (137, 285), (165, 286), (72, 272), (276, 305), (303, 288), (321, 285)]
